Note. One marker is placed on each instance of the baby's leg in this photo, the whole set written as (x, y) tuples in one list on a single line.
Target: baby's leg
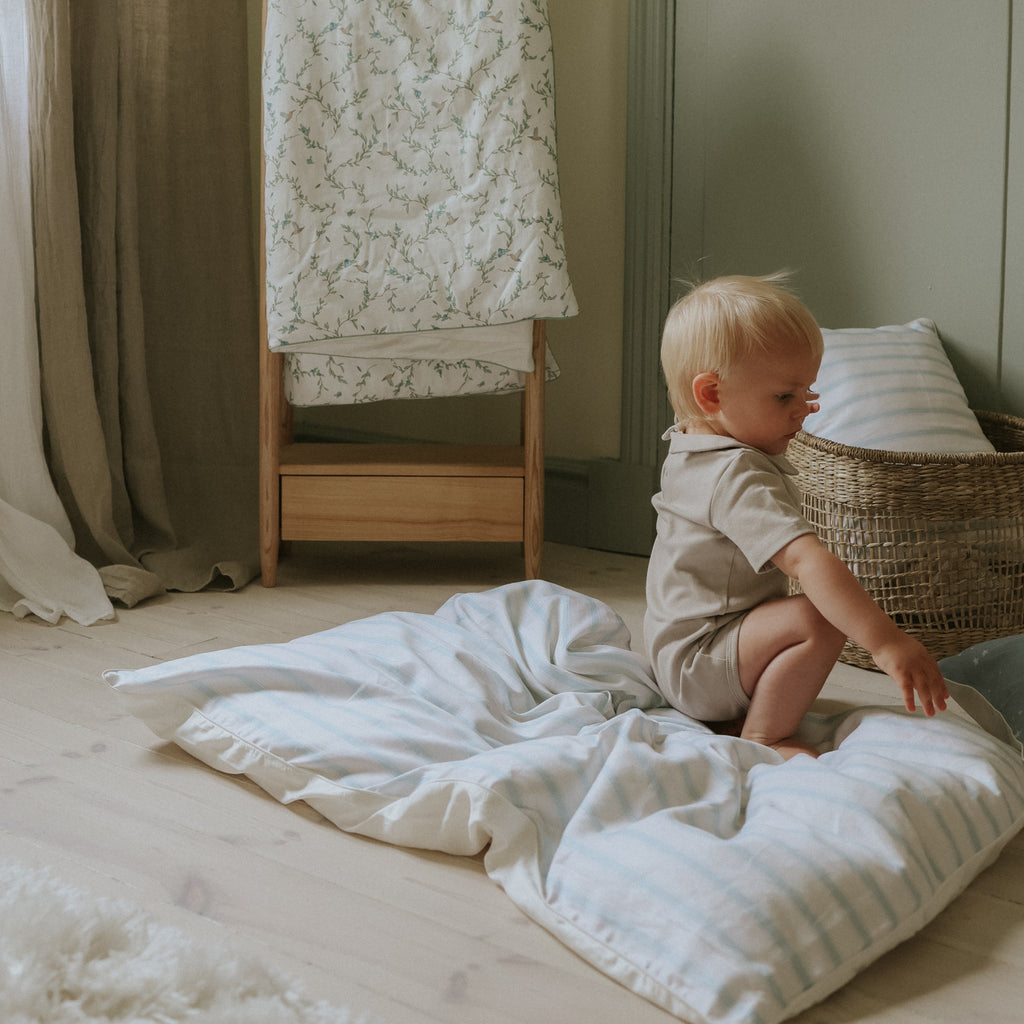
[(786, 651)]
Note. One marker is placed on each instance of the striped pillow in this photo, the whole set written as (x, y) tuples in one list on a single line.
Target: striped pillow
[(893, 388)]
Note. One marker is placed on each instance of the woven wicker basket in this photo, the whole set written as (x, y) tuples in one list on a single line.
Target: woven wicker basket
[(937, 540)]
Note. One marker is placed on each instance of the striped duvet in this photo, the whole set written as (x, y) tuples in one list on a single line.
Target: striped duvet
[(697, 870)]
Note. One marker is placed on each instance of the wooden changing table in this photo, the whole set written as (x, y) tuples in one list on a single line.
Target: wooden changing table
[(393, 492)]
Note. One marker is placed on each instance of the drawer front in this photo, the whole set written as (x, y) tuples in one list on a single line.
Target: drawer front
[(401, 508)]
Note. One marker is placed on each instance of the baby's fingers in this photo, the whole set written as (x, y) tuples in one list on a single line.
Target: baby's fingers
[(908, 698), (933, 694)]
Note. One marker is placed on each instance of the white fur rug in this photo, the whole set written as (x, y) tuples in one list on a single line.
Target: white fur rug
[(69, 957)]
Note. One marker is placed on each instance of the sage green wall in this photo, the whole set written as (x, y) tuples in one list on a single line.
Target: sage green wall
[(871, 147), (582, 407)]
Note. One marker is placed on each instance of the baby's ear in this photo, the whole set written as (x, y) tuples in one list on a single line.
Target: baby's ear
[(705, 392)]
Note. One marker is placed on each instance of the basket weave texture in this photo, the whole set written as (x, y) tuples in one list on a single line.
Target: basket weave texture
[(936, 540)]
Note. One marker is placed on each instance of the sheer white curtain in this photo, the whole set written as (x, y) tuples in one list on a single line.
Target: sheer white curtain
[(39, 572)]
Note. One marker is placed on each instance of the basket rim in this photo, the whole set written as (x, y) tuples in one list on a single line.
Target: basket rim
[(885, 457)]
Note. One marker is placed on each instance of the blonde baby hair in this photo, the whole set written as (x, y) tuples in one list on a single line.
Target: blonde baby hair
[(720, 322)]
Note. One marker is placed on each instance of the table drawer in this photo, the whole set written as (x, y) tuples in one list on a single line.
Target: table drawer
[(470, 508)]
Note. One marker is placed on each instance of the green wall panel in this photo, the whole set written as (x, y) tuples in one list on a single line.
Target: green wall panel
[(863, 146)]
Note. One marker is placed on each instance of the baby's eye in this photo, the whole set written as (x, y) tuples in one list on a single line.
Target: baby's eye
[(788, 397)]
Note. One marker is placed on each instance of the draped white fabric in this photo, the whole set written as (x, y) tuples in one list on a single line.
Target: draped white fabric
[(698, 870), (39, 571), (413, 212)]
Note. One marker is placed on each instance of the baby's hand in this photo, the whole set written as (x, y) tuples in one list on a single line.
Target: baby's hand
[(915, 671)]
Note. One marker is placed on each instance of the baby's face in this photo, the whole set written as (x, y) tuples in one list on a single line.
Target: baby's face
[(764, 401)]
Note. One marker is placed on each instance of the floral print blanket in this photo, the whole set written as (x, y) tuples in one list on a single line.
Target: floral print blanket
[(411, 185)]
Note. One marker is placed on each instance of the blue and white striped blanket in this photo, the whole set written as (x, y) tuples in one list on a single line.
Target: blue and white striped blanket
[(698, 870)]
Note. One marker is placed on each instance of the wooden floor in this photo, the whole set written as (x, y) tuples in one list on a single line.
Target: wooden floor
[(405, 936)]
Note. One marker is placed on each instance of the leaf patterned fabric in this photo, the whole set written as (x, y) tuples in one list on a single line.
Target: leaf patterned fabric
[(411, 180)]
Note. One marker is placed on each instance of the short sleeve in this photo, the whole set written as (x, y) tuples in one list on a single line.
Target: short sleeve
[(756, 504)]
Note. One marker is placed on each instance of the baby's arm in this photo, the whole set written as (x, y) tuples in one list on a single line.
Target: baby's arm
[(840, 598)]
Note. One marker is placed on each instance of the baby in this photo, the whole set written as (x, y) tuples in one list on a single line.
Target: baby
[(726, 643)]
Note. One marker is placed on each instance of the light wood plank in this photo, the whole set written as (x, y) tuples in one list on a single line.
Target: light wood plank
[(533, 454), (272, 420)]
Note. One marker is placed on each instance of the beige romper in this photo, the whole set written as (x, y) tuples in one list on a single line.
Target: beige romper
[(724, 510)]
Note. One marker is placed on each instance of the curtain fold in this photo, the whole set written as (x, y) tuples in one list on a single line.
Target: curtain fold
[(141, 254), (189, 78)]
